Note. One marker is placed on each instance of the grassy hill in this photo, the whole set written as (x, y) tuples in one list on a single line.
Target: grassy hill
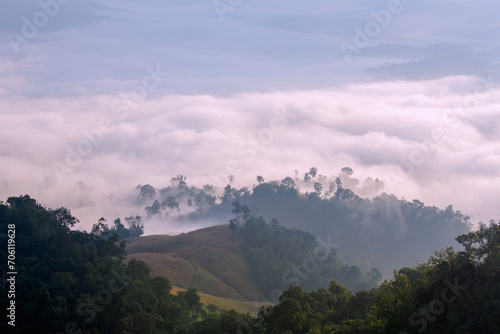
[(209, 259)]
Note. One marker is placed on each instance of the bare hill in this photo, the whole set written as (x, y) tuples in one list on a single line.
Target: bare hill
[(209, 259)]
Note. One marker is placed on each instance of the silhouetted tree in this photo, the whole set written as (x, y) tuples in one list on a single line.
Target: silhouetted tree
[(153, 210)]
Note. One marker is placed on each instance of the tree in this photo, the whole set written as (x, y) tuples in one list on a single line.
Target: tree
[(373, 276), (153, 210), (209, 189), (332, 187), (341, 193), (147, 192), (135, 226), (242, 212), (120, 229), (192, 300), (203, 200), (260, 179), (342, 294), (318, 188), (138, 269), (63, 217), (162, 287), (171, 203), (394, 294), (347, 170), (292, 314), (313, 171), (483, 243), (228, 195), (180, 182), (288, 183), (100, 229), (233, 223)]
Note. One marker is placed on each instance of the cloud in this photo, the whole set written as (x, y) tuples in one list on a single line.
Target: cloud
[(265, 91), (99, 47), (369, 127)]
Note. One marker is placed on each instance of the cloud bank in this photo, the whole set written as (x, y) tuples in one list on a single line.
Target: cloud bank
[(99, 96), (436, 140)]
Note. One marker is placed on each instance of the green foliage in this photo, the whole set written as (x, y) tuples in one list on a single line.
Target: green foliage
[(136, 227), (454, 292), (280, 257), (69, 280), (76, 281)]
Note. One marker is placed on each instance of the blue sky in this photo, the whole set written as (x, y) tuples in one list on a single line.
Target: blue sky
[(406, 91)]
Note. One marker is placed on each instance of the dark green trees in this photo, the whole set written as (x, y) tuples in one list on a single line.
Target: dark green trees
[(77, 282), (454, 292)]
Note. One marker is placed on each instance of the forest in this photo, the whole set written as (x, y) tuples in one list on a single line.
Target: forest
[(72, 281), (373, 229), (281, 257)]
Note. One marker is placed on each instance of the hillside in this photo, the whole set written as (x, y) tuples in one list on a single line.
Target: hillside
[(373, 229), (228, 304), (250, 260), (209, 259)]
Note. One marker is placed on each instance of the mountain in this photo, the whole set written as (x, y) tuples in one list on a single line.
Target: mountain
[(370, 229)]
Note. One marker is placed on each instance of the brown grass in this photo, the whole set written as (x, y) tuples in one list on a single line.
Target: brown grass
[(209, 259), (228, 304)]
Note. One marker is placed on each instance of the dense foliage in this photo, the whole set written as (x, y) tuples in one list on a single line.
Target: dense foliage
[(373, 229), (280, 257), (77, 282), (454, 292)]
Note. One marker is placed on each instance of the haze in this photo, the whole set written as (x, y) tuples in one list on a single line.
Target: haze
[(97, 97)]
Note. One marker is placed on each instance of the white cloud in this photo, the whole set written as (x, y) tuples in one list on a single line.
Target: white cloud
[(227, 79), (368, 127)]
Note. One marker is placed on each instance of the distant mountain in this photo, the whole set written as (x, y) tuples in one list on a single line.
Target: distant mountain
[(405, 62), (372, 230), (436, 67)]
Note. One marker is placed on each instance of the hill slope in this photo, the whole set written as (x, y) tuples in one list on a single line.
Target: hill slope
[(209, 259)]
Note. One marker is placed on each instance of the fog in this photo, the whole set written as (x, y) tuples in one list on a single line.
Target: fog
[(411, 135), (97, 97)]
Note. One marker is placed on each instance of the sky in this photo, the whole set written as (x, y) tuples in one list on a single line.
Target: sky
[(97, 97)]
